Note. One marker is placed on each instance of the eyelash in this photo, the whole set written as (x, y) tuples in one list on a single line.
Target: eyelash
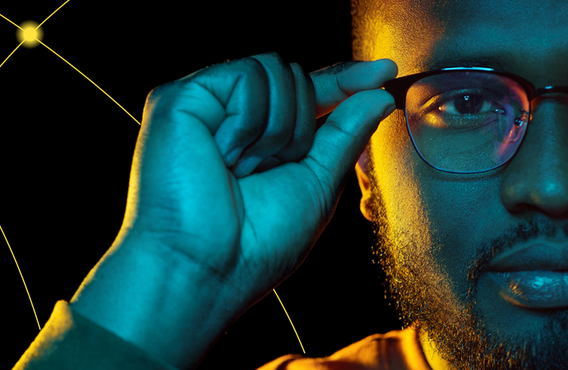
[(440, 101)]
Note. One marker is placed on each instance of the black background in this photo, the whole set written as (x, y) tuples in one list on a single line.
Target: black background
[(66, 151)]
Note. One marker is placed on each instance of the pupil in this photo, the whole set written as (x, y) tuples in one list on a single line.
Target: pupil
[(468, 104)]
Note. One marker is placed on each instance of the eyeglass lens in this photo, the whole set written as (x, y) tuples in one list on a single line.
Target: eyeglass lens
[(466, 121)]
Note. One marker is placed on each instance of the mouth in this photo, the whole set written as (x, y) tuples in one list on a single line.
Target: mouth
[(533, 289), (534, 276)]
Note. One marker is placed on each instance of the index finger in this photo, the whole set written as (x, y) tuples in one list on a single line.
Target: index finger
[(336, 83)]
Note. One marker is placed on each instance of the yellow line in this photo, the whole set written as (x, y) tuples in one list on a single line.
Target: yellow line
[(11, 22), (5, 60), (51, 14), (90, 81), (21, 276), (290, 320)]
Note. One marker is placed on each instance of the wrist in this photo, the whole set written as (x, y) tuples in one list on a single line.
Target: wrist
[(161, 302)]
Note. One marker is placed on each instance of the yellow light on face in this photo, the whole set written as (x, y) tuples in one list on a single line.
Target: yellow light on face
[(30, 33)]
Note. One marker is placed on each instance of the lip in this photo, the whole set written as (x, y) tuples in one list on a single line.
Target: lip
[(534, 257), (532, 289), (533, 276)]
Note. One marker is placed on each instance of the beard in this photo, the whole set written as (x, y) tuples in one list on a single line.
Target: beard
[(452, 320)]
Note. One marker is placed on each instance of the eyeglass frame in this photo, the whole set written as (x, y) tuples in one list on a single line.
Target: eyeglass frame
[(399, 87)]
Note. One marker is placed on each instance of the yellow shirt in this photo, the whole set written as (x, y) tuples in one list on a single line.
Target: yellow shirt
[(395, 350), (69, 341)]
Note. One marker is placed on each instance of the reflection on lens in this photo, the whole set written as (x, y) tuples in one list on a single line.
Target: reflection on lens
[(466, 121)]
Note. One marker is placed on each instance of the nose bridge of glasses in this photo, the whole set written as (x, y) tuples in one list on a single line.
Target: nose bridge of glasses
[(549, 94), (551, 91)]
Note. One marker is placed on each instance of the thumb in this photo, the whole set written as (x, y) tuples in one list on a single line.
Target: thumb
[(342, 138), (334, 84)]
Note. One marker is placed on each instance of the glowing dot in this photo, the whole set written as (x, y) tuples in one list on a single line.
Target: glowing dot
[(29, 34)]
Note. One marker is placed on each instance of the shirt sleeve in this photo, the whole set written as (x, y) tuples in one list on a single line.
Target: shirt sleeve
[(69, 341), (395, 350)]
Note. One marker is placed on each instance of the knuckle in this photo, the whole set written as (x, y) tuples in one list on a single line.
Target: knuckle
[(299, 71), (274, 55), (160, 101), (275, 63), (301, 75), (158, 91), (337, 85), (269, 59), (250, 65)]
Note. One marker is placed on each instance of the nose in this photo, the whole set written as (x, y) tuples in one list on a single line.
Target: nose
[(537, 177)]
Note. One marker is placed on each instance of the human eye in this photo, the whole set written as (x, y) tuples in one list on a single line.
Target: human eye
[(463, 109), (466, 103)]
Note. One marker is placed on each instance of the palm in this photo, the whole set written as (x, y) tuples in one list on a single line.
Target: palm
[(284, 211)]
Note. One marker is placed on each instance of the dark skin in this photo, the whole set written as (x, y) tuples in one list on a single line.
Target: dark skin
[(439, 224)]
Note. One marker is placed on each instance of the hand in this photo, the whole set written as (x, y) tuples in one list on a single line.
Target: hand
[(231, 173)]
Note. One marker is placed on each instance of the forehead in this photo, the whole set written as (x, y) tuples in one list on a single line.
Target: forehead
[(529, 38)]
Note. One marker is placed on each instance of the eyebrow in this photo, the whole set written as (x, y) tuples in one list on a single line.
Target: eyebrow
[(446, 61)]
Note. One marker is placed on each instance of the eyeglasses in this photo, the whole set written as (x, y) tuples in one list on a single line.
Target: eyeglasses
[(466, 119)]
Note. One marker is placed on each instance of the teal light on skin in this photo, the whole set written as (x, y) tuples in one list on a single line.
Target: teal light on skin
[(436, 229)]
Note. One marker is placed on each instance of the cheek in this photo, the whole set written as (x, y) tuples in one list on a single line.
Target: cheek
[(395, 170), (439, 214), (464, 213), (414, 232)]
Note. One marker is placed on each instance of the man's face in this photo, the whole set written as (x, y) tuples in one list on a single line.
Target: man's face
[(438, 230)]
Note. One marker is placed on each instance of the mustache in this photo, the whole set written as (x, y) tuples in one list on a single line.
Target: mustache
[(524, 231)]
